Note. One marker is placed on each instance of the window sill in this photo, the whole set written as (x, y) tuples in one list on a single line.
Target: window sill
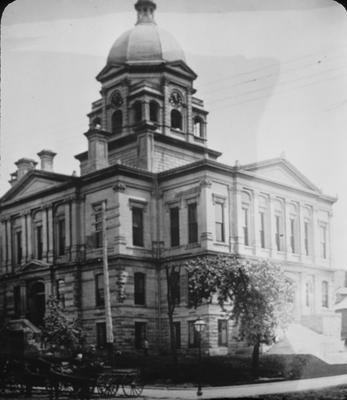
[(193, 245)]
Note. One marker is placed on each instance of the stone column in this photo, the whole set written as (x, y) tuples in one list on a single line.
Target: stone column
[(205, 203), (24, 241), (3, 247), (237, 216), (44, 233), (50, 227), (82, 224), (255, 223), (74, 227), (230, 218), (166, 116), (9, 244), (301, 231), (67, 228), (315, 235), (145, 110), (272, 224), (189, 116), (29, 237), (119, 239), (286, 228)]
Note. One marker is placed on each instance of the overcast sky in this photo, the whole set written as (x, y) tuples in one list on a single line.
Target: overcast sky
[(273, 78)]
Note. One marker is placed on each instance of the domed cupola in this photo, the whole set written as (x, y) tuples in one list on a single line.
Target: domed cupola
[(146, 42)]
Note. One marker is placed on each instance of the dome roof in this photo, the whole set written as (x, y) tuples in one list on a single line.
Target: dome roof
[(146, 42)]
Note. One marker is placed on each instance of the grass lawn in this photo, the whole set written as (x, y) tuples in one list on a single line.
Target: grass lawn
[(336, 393)]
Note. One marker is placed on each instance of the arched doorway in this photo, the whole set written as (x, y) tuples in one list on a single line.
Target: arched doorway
[(36, 302)]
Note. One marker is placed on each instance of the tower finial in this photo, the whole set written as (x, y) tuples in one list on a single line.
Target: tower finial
[(145, 11)]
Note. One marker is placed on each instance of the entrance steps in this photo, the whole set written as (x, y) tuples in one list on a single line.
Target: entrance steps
[(298, 339)]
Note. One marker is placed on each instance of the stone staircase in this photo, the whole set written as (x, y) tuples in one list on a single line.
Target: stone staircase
[(299, 339)]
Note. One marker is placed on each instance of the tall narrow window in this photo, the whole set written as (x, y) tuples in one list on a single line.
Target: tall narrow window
[(262, 229), (292, 235), (306, 240), (175, 226), (323, 241), (39, 244), (176, 120), (137, 107), (177, 333), (308, 290), (99, 290), (100, 335), (19, 246), (61, 236), (139, 288), (140, 334), (222, 332), (175, 287), (192, 223), (137, 214), (245, 226), (219, 210), (117, 121), (153, 111), (193, 335), (278, 232), (198, 131), (60, 290), (98, 241), (325, 294)]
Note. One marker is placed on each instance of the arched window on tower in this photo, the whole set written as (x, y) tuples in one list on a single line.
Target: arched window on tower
[(176, 119), (117, 121), (153, 111), (137, 110), (198, 127), (96, 123)]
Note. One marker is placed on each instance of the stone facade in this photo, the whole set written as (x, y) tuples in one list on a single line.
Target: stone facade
[(167, 200)]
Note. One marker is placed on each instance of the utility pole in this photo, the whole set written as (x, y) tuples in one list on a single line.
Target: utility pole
[(108, 312)]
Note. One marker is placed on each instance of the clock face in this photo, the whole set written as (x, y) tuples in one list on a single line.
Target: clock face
[(175, 98), (117, 99)]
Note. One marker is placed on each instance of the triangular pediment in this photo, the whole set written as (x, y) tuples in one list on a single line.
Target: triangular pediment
[(34, 182), (281, 171), (34, 265)]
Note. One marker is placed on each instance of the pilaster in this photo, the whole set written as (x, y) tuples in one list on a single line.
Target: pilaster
[(74, 227), (286, 228), (120, 239), (67, 207), (254, 222), (3, 247), (272, 230), (205, 228), (24, 241), (301, 232), (44, 234), (23, 299), (315, 235), (9, 244), (50, 253)]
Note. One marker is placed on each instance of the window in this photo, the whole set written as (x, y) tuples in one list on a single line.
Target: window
[(193, 335), (100, 335), (219, 210), (153, 111), (278, 232), (96, 123), (308, 291), (117, 121), (16, 301), (323, 242), (325, 294), (18, 236), (177, 333), (61, 236), (222, 332), (245, 226), (192, 223), (197, 124), (39, 244), (176, 120), (98, 240), (292, 235), (99, 290), (175, 287), (137, 226), (306, 241), (140, 334), (175, 226), (60, 290), (139, 288), (137, 111), (262, 229)]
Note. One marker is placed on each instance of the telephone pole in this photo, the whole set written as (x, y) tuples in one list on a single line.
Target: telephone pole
[(108, 312)]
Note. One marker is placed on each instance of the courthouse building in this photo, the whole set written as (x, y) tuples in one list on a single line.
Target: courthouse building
[(168, 199)]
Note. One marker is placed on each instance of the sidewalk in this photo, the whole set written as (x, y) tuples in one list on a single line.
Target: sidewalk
[(230, 392)]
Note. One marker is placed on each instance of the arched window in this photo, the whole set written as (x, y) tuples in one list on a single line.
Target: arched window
[(153, 111), (325, 294), (117, 121), (137, 108), (198, 127), (96, 123), (176, 119)]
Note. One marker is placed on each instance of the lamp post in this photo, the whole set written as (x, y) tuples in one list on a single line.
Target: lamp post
[(199, 326)]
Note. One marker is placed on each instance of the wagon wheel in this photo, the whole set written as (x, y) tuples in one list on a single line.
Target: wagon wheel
[(133, 385), (105, 387)]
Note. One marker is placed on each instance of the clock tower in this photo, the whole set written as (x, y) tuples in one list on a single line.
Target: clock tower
[(148, 111)]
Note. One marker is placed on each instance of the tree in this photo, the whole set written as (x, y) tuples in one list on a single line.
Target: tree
[(256, 295), (59, 330)]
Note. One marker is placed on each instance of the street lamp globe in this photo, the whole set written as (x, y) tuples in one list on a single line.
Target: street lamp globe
[(199, 325)]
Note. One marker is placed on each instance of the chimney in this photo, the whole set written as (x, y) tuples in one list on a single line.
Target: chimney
[(97, 148), (46, 158), (24, 165)]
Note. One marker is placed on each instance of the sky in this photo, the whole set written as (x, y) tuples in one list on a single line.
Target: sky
[(274, 80)]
